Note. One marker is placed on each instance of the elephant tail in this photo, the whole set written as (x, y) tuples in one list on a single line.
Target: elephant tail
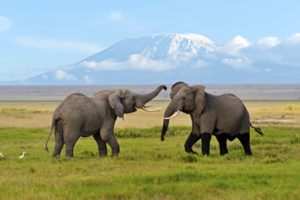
[(257, 129), (51, 130)]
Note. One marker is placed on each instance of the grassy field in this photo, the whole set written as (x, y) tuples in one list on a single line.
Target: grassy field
[(146, 167)]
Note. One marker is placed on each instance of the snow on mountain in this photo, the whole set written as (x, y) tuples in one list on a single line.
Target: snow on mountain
[(166, 58), (157, 47)]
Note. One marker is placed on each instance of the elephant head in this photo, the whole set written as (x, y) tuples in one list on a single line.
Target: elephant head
[(125, 101), (185, 98)]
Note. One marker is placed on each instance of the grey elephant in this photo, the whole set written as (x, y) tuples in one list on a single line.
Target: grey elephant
[(224, 116), (81, 116)]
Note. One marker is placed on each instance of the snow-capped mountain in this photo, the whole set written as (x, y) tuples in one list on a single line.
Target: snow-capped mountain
[(158, 47), (166, 58)]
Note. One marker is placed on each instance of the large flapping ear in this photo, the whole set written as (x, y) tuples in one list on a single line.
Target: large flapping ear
[(199, 98), (116, 103)]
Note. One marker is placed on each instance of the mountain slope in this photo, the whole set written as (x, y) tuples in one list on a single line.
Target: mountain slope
[(167, 58)]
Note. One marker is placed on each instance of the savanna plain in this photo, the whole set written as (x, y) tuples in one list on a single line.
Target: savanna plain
[(147, 168)]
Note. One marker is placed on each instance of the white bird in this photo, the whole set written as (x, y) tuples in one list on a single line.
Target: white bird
[(22, 156), (1, 155)]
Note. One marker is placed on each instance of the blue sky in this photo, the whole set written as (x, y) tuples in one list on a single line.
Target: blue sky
[(39, 36)]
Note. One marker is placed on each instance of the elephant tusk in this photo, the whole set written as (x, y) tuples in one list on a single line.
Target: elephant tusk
[(148, 110), (147, 106), (174, 115)]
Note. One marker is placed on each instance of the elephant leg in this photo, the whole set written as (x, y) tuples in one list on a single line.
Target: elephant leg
[(206, 137), (59, 143), (101, 145), (245, 140), (107, 135), (70, 143), (113, 143), (222, 139), (71, 136), (191, 140)]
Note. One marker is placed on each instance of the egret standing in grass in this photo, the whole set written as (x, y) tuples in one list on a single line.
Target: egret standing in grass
[(1, 155), (22, 156)]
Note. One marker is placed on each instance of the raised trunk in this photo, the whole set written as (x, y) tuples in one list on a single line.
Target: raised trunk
[(142, 99)]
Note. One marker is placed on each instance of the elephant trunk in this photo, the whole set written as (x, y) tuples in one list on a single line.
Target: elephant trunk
[(142, 99), (171, 109), (164, 129)]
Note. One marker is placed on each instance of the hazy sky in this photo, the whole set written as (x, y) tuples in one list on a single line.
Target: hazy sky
[(38, 36)]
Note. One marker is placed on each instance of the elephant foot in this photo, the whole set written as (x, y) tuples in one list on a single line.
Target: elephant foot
[(191, 140), (205, 154), (222, 139), (223, 152), (248, 153), (191, 151), (245, 140)]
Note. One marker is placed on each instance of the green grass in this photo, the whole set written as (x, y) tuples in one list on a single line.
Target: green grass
[(150, 169), (8, 111)]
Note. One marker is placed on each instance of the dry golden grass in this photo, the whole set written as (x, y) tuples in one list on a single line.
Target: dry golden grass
[(38, 114), (275, 113)]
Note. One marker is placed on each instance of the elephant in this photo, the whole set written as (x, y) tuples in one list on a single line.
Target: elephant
[(224, 116), (81, 116)]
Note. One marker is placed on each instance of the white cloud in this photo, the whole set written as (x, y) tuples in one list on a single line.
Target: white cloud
[(110, 65), (62, 75), (239, 63), (268, 42), (235, 45), (115, 16), (58, 45), (4, 24), (141, 62), (135, 61), (294, 39)]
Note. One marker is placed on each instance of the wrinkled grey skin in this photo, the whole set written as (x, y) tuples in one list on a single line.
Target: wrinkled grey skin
[(224, 116), (81, 116)]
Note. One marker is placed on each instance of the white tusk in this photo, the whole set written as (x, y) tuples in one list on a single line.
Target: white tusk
[(148, 110), (174, 115), (147, 106)]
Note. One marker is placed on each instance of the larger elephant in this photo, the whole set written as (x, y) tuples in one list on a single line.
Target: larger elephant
[(224, 116), (81, 116)]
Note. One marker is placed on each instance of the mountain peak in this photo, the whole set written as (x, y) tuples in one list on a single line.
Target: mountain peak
[(183, 41), (158, 46)]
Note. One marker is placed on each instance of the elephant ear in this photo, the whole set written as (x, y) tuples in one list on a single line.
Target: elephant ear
[(116, 103), (199, 98)]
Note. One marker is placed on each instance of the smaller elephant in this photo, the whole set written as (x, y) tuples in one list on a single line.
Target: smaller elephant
[(224, 116), (81, 116)]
